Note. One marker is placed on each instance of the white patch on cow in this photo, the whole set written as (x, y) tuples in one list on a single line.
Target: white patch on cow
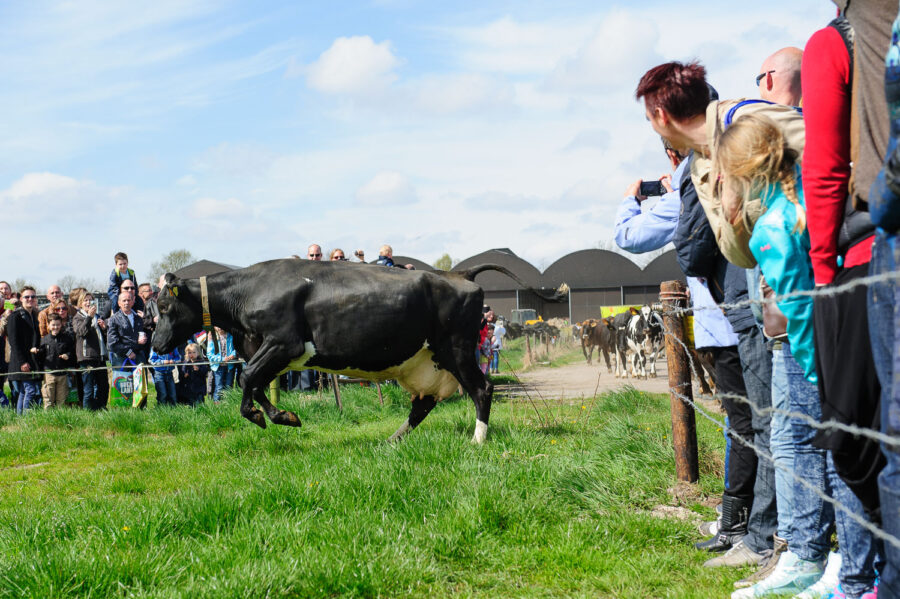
[(418, 374), (480, 432), (307, 279), (309, 350)]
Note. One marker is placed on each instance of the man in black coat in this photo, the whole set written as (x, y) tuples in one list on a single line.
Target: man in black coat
[(24, 336)]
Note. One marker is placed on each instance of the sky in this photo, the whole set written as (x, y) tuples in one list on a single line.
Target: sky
[(246, 131)]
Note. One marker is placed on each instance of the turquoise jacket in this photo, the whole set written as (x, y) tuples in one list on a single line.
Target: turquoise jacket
[(783, 257), (215, 359)]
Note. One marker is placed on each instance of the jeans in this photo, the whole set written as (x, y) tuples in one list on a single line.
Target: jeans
[(165, 387), (756, 363), (889, 479), (495, 360), (224, 378), (782, 442), (29, 396), (96, 386), (813, 516)]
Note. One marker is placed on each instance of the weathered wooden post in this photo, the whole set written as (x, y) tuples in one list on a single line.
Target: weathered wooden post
[(337, 392), (378, 388), (684, 429), (275, 391)]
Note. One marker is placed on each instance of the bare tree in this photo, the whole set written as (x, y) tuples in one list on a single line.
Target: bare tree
[(21, 282), (174, 260), (67, 283)]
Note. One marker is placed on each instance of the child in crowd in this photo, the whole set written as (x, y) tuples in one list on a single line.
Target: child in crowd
[(486, 351), (163, 376), (191, 376), (90, 349), (120, 274), (754, 160), (54, 353), (221, 362)]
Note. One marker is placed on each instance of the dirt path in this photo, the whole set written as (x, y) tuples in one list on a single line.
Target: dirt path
[(583, 380)]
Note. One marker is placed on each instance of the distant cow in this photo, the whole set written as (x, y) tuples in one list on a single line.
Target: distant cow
[(417, 327), (620, 324), (599, 334)]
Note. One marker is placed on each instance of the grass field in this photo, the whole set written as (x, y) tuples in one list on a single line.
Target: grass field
[(201, 503)]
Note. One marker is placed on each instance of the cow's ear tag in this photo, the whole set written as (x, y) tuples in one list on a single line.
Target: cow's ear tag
[(175, 291)]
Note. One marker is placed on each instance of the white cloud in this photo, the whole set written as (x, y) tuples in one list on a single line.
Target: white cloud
[(49, 196), (186, 181), (353, 65), (612, 59), (387, 188), (597, 139), (461, 92)]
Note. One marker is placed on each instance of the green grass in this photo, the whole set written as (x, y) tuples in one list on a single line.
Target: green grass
[(201, 503)]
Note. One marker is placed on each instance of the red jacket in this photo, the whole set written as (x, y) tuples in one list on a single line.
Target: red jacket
[(825, 169)]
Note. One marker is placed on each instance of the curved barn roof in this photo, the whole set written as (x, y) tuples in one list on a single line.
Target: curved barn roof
[(495, 281), (587, 268)]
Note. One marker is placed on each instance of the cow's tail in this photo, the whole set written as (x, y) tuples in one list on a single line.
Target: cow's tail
[(560, 294)]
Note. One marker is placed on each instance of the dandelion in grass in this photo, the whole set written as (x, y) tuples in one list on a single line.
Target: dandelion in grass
[(125, 528), (552, 441)]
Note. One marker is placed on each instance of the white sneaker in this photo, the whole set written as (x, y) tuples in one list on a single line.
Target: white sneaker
[(829, 582), (791, 576)]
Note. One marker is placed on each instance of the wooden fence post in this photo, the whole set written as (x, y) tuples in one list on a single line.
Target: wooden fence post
[(684, 428), (337, 391), (275, 391)]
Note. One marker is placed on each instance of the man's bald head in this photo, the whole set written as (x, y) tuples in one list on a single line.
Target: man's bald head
[(314, 252), (783, 70)]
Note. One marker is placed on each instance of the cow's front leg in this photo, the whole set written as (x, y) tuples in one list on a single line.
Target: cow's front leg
[(283, 417), (417, 413), (263, 367)]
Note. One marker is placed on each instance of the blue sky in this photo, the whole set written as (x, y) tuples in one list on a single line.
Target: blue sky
[(245, 131)]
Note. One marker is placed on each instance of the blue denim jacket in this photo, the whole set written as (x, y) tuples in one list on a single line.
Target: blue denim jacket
[(157, 360), (884, 196)]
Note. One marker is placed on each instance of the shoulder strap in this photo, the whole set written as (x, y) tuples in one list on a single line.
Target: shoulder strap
[(842, 26), (730, 115)]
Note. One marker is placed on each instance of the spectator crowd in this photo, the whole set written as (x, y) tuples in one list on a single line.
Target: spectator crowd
[(794, 196)]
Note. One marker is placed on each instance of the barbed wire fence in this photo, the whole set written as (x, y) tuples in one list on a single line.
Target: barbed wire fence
[(682, 391)]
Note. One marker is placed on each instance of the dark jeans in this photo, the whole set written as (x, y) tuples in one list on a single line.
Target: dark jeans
[(884, 321), (95, 384), (165, 387), (741, 458), (756, 363)]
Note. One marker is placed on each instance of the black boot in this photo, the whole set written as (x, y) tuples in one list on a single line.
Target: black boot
[(735, 513)]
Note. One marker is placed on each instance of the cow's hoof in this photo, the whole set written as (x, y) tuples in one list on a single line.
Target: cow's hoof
[(286, 418), (256, 417)]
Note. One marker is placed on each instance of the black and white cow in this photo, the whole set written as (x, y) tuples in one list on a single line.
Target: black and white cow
[(419, 328), (620, 324), (653, 339)]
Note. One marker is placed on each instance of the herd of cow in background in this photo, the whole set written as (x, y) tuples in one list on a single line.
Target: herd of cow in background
[(633, 337)]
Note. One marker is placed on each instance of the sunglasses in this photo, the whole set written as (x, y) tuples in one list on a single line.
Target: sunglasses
[(127, 288), (767, 75), (29, 296), (315, 255), (62, 309)]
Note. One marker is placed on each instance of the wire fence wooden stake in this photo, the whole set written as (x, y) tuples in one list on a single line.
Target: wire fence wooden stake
[(684, 428)]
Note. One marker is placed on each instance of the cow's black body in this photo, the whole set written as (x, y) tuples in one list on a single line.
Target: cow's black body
[(417, 327)]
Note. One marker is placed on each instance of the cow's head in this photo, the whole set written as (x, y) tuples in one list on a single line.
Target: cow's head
[(645, 312), (180, 315)]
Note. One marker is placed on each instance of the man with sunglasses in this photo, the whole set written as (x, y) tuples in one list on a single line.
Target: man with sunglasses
[(24, 335), (55, 295), (314, 252), (779, 77)]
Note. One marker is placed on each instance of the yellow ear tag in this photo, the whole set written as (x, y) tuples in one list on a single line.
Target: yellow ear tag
[(175, 291)]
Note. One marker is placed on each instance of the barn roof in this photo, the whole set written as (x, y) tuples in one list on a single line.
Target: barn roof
[(495, 281), (203, 268)]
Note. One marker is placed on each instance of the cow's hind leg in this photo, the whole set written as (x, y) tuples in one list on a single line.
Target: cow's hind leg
[(249, 412), (460, 362), (417, 413)]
